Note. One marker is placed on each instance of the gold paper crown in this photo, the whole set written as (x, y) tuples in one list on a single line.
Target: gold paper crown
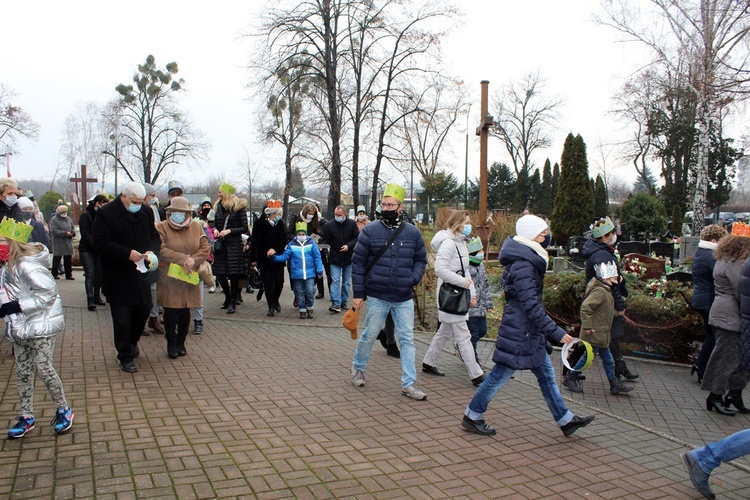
[(16, 231), (226, 187), (274, 204), (395, 191), (301, 226), (740, 229)]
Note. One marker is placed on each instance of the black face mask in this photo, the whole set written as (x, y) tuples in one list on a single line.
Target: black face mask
[(546, 241), (28, 215), (389, 214), (204, 212)]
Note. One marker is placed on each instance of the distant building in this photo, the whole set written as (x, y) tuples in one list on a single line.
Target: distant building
[(743, 175)]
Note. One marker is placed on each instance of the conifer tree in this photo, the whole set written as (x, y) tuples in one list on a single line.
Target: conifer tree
[(574, 203), (546, 199), (601, 200), (535, 192), (555, 183)]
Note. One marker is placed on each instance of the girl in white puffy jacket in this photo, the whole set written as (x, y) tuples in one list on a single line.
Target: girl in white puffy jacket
[(33, 315)]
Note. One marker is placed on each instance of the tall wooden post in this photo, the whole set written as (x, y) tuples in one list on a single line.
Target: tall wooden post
[(483, 133)]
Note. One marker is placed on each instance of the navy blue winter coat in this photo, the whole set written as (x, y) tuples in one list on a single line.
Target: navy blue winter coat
[(305, 259), (525, 327), (399, 269), (703, 279), (745, 316), (597, 252)]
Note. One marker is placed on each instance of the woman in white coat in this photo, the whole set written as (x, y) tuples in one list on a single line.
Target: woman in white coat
[(452, 257)]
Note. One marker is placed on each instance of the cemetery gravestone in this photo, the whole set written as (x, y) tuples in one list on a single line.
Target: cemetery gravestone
[(688, 246), (626, 247), (654, 267), (662, 250)]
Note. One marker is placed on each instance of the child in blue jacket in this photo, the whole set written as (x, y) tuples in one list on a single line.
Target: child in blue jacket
[(306, 265)]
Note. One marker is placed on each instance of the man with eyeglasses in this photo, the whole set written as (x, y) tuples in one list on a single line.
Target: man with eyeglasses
[(124, 236), (389, 260)]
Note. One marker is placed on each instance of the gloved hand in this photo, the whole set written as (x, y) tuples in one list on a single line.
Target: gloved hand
[(9, 308)]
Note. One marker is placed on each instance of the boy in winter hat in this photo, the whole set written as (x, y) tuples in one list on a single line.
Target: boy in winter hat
[(597, 312), (305, 266)]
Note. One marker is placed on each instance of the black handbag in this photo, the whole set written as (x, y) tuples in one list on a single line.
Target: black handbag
[(217, 246), (453, 299)]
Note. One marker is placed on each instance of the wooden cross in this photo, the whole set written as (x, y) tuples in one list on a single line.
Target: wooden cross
[(83, 180)]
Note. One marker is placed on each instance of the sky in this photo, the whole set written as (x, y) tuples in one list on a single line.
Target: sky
[(55, 55)]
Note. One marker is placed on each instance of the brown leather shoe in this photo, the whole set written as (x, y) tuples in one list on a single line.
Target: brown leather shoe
[(154, 324)]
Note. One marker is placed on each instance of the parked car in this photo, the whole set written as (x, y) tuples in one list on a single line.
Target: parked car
[(742, 216), (723, 219)]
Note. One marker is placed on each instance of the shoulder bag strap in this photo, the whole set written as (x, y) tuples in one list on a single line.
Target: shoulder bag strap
[(461, 260), (385, 247)]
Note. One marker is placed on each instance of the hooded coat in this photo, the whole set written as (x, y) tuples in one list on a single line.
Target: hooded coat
[(525, 326), (231, 261), (597, 312), (452, 254), (30, 282), (597, 252), (265, 237), (304, 259)]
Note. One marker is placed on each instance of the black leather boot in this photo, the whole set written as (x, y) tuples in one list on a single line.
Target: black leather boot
[(572, 383), (621, 370), (716, 402), (616, 387), (171, 345), (734, 397), (91, 304)]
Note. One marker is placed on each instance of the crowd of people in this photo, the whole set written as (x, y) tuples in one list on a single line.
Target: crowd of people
[(149, 261)]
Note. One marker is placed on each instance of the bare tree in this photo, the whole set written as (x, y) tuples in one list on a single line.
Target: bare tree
[(84, 139), (15, 123), (524, 117), (249, 172), (425, 131), (156, 133), (713, 36)]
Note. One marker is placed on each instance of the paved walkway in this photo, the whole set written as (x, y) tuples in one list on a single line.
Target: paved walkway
[(263, 408)]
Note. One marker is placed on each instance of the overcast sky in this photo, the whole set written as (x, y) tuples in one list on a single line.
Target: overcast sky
[(57, 54)]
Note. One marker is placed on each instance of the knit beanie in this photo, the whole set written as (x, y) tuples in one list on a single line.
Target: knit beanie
[(530, 226)]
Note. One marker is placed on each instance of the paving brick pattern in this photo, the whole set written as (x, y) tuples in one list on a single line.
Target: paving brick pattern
[(263, 408)]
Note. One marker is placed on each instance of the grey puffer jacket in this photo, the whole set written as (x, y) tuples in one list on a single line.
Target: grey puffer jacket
[(484, 295), (451, 255), (32, 285)]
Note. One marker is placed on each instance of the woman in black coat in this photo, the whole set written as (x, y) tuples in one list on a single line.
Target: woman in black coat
[(703, 290), (92, 262), (270, 232), (230, 223)]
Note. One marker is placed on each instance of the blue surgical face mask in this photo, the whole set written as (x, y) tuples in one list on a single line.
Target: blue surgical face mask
[(134, 208), (479, 256), (340, 219), (466, 231), (278, 218), (177, 217)]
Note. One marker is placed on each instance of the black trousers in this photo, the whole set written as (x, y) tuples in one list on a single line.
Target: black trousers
[(128, 323), (67, 264), (273, 283)]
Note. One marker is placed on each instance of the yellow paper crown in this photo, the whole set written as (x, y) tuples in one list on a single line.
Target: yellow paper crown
[(227, 188), (16, 231), (301, 226), (395, 191), (740, 229)]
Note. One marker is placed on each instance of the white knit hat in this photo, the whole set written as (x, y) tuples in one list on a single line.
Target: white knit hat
[(24, 202), (530, 226)]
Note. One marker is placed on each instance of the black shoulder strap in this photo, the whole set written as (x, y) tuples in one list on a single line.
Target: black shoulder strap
[(385, 247)]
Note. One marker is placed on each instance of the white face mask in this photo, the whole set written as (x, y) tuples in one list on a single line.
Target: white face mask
[(308, 218), (614, 239), (302, 238), (361, 217)]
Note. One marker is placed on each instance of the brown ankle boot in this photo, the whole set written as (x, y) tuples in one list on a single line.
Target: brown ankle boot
[(154, 324)]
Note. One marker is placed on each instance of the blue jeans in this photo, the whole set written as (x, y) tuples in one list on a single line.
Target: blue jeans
[(478, 329), (198, 311), (607, 361), (499, 376), (341, 278), (403, 318), (304, 292), (710, 456)]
